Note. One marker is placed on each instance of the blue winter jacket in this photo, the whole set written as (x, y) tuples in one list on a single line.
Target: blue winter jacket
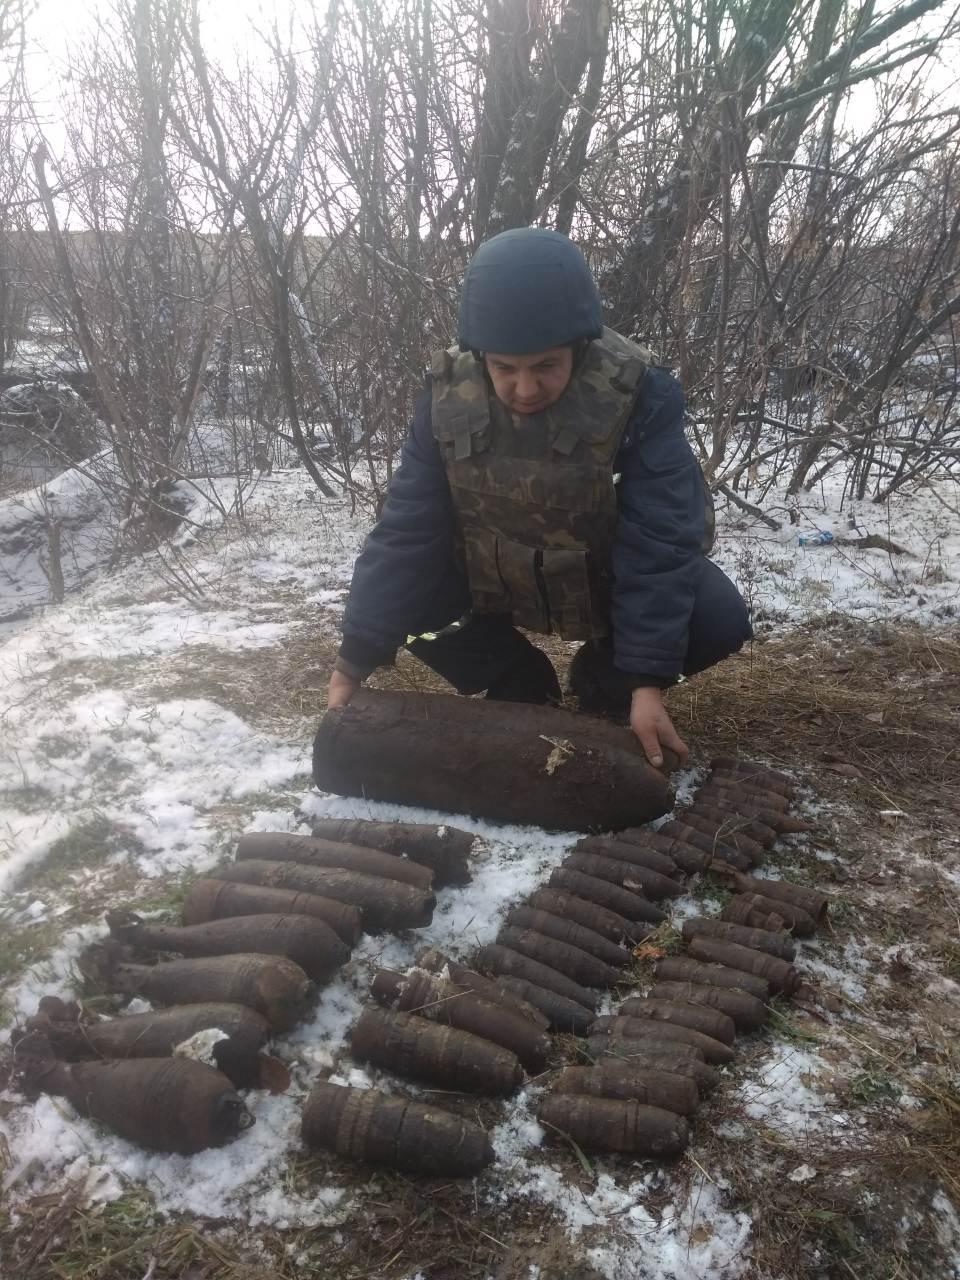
[(406, 579)]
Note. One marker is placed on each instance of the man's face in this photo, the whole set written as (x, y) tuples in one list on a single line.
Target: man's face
[(530, 384)]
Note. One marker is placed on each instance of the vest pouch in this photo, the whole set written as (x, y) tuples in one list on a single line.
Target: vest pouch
[(522, 580), (566, 582)]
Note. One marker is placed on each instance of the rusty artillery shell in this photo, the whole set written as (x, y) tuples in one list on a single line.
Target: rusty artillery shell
[(216, 899), (156, 1034), (661, 1032), (445, 1056), (683, 969), (775, 944), (755, 781), (365, 1124), (687, 857), (563, 1015), (747, 1011), (779, 973), (566, 930), (745, 808), (568, 906), (670, 1056), (626, 875), (562, 956), (744, 909), (273, 985), (384, 904), (503, 962), (733, 764), (435, 961), (444, 849), (732, 823), (609, 1124), (812, 901), (309, 943), (443, 1001), (163, 1104), (704, 836), (641, 855), (605, 894), (752, 797), (711, 1022), (281, 846), (653, 1088), (792, 917)]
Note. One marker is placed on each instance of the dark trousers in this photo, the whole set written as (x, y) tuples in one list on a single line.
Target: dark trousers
[(489, 653)]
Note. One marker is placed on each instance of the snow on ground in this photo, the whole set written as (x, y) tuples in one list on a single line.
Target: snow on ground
[(786, 582), (88, 730)]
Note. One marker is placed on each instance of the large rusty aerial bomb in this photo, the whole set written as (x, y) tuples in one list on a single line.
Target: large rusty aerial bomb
[(364, 1124), (609, 1124), (215, 899), (445, 1056), (441, 1000), (158, 1033), (163, 1104), (444, 849), (282, 846), (272, 985), (526, 764), (308, 942), (384, 904), (650, 1086)]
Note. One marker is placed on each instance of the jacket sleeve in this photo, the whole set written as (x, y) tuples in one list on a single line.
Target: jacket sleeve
[(658, 551), (405, 556)]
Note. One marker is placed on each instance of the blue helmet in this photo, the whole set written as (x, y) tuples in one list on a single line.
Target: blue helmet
[(527, 290)]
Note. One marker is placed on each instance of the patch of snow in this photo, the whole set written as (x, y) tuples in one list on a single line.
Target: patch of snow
[(784, 1092)]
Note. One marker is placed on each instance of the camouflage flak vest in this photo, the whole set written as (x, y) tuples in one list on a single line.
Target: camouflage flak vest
[(537, 503)]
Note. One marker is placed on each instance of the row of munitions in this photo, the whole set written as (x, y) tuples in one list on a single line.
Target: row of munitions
[(659, 1053), (483, 1029), (256, 939)]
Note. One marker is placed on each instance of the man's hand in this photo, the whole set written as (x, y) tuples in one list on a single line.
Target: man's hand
[(650, 722), (341, 689)]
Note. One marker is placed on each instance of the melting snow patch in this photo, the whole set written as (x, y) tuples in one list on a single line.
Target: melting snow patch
[(783, 1094)]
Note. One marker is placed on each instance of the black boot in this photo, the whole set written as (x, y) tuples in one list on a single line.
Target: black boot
[(530, 679)]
